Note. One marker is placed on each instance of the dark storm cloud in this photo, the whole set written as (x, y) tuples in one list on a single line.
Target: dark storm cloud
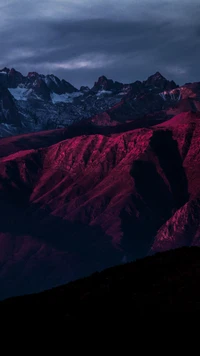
[(79, 40)]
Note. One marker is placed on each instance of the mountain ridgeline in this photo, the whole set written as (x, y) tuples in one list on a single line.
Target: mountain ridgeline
[(39, 102)]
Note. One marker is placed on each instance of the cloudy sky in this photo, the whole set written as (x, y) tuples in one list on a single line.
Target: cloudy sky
[(79, 40)]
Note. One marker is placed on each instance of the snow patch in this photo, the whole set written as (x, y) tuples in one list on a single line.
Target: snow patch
[(162, 96), (7, 130), (20, 93), (102, 92), (173, 94), (54, 79), (51, 78), (124, 91), (64, 98)]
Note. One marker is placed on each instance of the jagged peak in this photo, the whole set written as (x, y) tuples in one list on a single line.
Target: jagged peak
[(159, 81), (5, 69), (156, 76), (101, 82), (32, 74), (13, 70), (102, 77), (52, 76)]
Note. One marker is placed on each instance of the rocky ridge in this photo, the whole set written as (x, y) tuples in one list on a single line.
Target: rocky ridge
[(39, 102)]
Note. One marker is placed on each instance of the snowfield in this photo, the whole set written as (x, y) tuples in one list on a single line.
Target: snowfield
[(64, 98), (20, 93)]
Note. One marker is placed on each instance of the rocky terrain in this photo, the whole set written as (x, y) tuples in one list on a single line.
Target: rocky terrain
[(80, 199), (37, 102), (166, 282)]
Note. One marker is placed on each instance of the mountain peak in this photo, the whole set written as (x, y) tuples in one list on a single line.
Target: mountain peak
[(32, 74), (13, 70), (103, 83), (102, 77), (158, 81), (5, 70), (102, 80), (156, 76)]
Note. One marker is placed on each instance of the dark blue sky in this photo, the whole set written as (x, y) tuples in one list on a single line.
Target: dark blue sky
[(79, 40)]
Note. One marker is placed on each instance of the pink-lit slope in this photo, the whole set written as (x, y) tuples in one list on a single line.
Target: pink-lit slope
[(89, 201)]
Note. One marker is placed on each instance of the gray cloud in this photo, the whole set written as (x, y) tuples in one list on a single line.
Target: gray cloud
[(80, 40)]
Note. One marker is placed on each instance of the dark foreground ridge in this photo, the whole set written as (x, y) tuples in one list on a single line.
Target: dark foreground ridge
[(167, 281)]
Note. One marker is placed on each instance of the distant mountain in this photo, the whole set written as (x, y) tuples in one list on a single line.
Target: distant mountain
[(105, 84), (38, 102), (80, 199), (166, 282)]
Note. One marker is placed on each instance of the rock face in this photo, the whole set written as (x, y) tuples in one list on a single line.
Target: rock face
[(8, 111), (161, 83), (46, 102), (104, 83), (78, 200)]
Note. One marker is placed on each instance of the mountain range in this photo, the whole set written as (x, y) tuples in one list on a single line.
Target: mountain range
[(114, 184), (39, 102)]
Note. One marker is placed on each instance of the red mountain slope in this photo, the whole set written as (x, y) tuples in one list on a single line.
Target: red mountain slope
[(84, 202)]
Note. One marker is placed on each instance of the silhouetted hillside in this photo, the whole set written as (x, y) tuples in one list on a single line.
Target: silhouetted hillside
[(167, 281)]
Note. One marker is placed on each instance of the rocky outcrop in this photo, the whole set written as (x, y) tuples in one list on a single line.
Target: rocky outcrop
[(9, 114)]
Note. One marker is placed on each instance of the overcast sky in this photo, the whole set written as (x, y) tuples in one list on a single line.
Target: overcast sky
[(79, 40)]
